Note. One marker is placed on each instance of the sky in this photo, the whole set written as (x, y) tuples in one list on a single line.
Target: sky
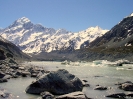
[(72, 15)]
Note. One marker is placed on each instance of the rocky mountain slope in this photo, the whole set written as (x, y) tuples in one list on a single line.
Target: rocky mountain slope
[(35, 38), (10, 50), (115, 44), (119, 36)]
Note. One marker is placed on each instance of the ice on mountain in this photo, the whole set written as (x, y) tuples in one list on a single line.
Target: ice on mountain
[(131, 15), (23, 20), (37, 38)]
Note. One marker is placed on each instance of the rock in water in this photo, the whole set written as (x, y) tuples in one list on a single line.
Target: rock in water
[(100, 88), (117, 95), (127, 86), (58, 83), (73, 95)]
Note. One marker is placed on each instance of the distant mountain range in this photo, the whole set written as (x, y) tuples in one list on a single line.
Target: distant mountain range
[(90, 44), (35, 38)]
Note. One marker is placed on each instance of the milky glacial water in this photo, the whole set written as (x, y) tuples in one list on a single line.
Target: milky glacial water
[(103, 75)]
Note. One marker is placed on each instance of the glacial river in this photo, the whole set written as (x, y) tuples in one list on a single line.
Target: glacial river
[(100, 74)]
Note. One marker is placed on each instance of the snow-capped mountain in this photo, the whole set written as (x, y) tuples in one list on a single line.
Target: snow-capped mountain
[(121, 35), (35, 38)]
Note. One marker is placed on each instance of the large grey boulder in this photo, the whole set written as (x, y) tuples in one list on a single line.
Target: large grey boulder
[(56, 82)]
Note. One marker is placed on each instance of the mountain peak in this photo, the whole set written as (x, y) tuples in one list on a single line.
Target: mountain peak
[(97, 28), (20, 22), (131, 14), (23, 20)]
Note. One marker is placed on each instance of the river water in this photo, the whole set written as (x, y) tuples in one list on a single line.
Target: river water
[(100, 74)]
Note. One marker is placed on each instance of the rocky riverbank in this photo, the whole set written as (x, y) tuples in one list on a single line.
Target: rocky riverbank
[(9, 70), (58, 84)]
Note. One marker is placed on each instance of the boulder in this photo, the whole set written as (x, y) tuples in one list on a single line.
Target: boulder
[(100, 88), (3, 80), (7, 77), (25, 73), (117, 95), (21, 68), (73, 95), (2, 74), (14, 66), (86, 85), (129, 94), (85, 81), (5, 95), (47, 95), (34, 75), (127, 86), (118, 83), (2, 66), (57, 82), (18, 73)]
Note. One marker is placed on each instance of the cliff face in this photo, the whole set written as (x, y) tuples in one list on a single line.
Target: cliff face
[(9, 50)]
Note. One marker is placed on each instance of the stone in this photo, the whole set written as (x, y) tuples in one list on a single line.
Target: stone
[(86, 85), (47, 95), (117, 95), (73, 95), (127, 86), (21, 68), (85, 80), (118, 83), (129, 94), (2, 74), (57, 82), (5, 95), (34, 75), (17, 73), (7, 77), (100, 88), (14, 66), (25, 73), (3, 80)]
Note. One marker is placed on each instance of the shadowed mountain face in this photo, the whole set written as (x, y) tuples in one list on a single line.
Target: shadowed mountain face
[(121, 35), (10, 50)]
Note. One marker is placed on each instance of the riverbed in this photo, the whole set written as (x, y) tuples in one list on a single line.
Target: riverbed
[(100, 74)]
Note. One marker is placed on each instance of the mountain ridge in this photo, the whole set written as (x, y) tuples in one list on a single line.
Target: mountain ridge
[(120, 35), (90, 44), (9, 50), (116, 44), (35, 38)]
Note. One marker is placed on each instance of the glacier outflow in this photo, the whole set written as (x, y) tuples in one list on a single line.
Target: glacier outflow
[(35, 38)]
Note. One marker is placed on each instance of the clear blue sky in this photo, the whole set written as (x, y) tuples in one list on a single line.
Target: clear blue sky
[(72, 15)]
